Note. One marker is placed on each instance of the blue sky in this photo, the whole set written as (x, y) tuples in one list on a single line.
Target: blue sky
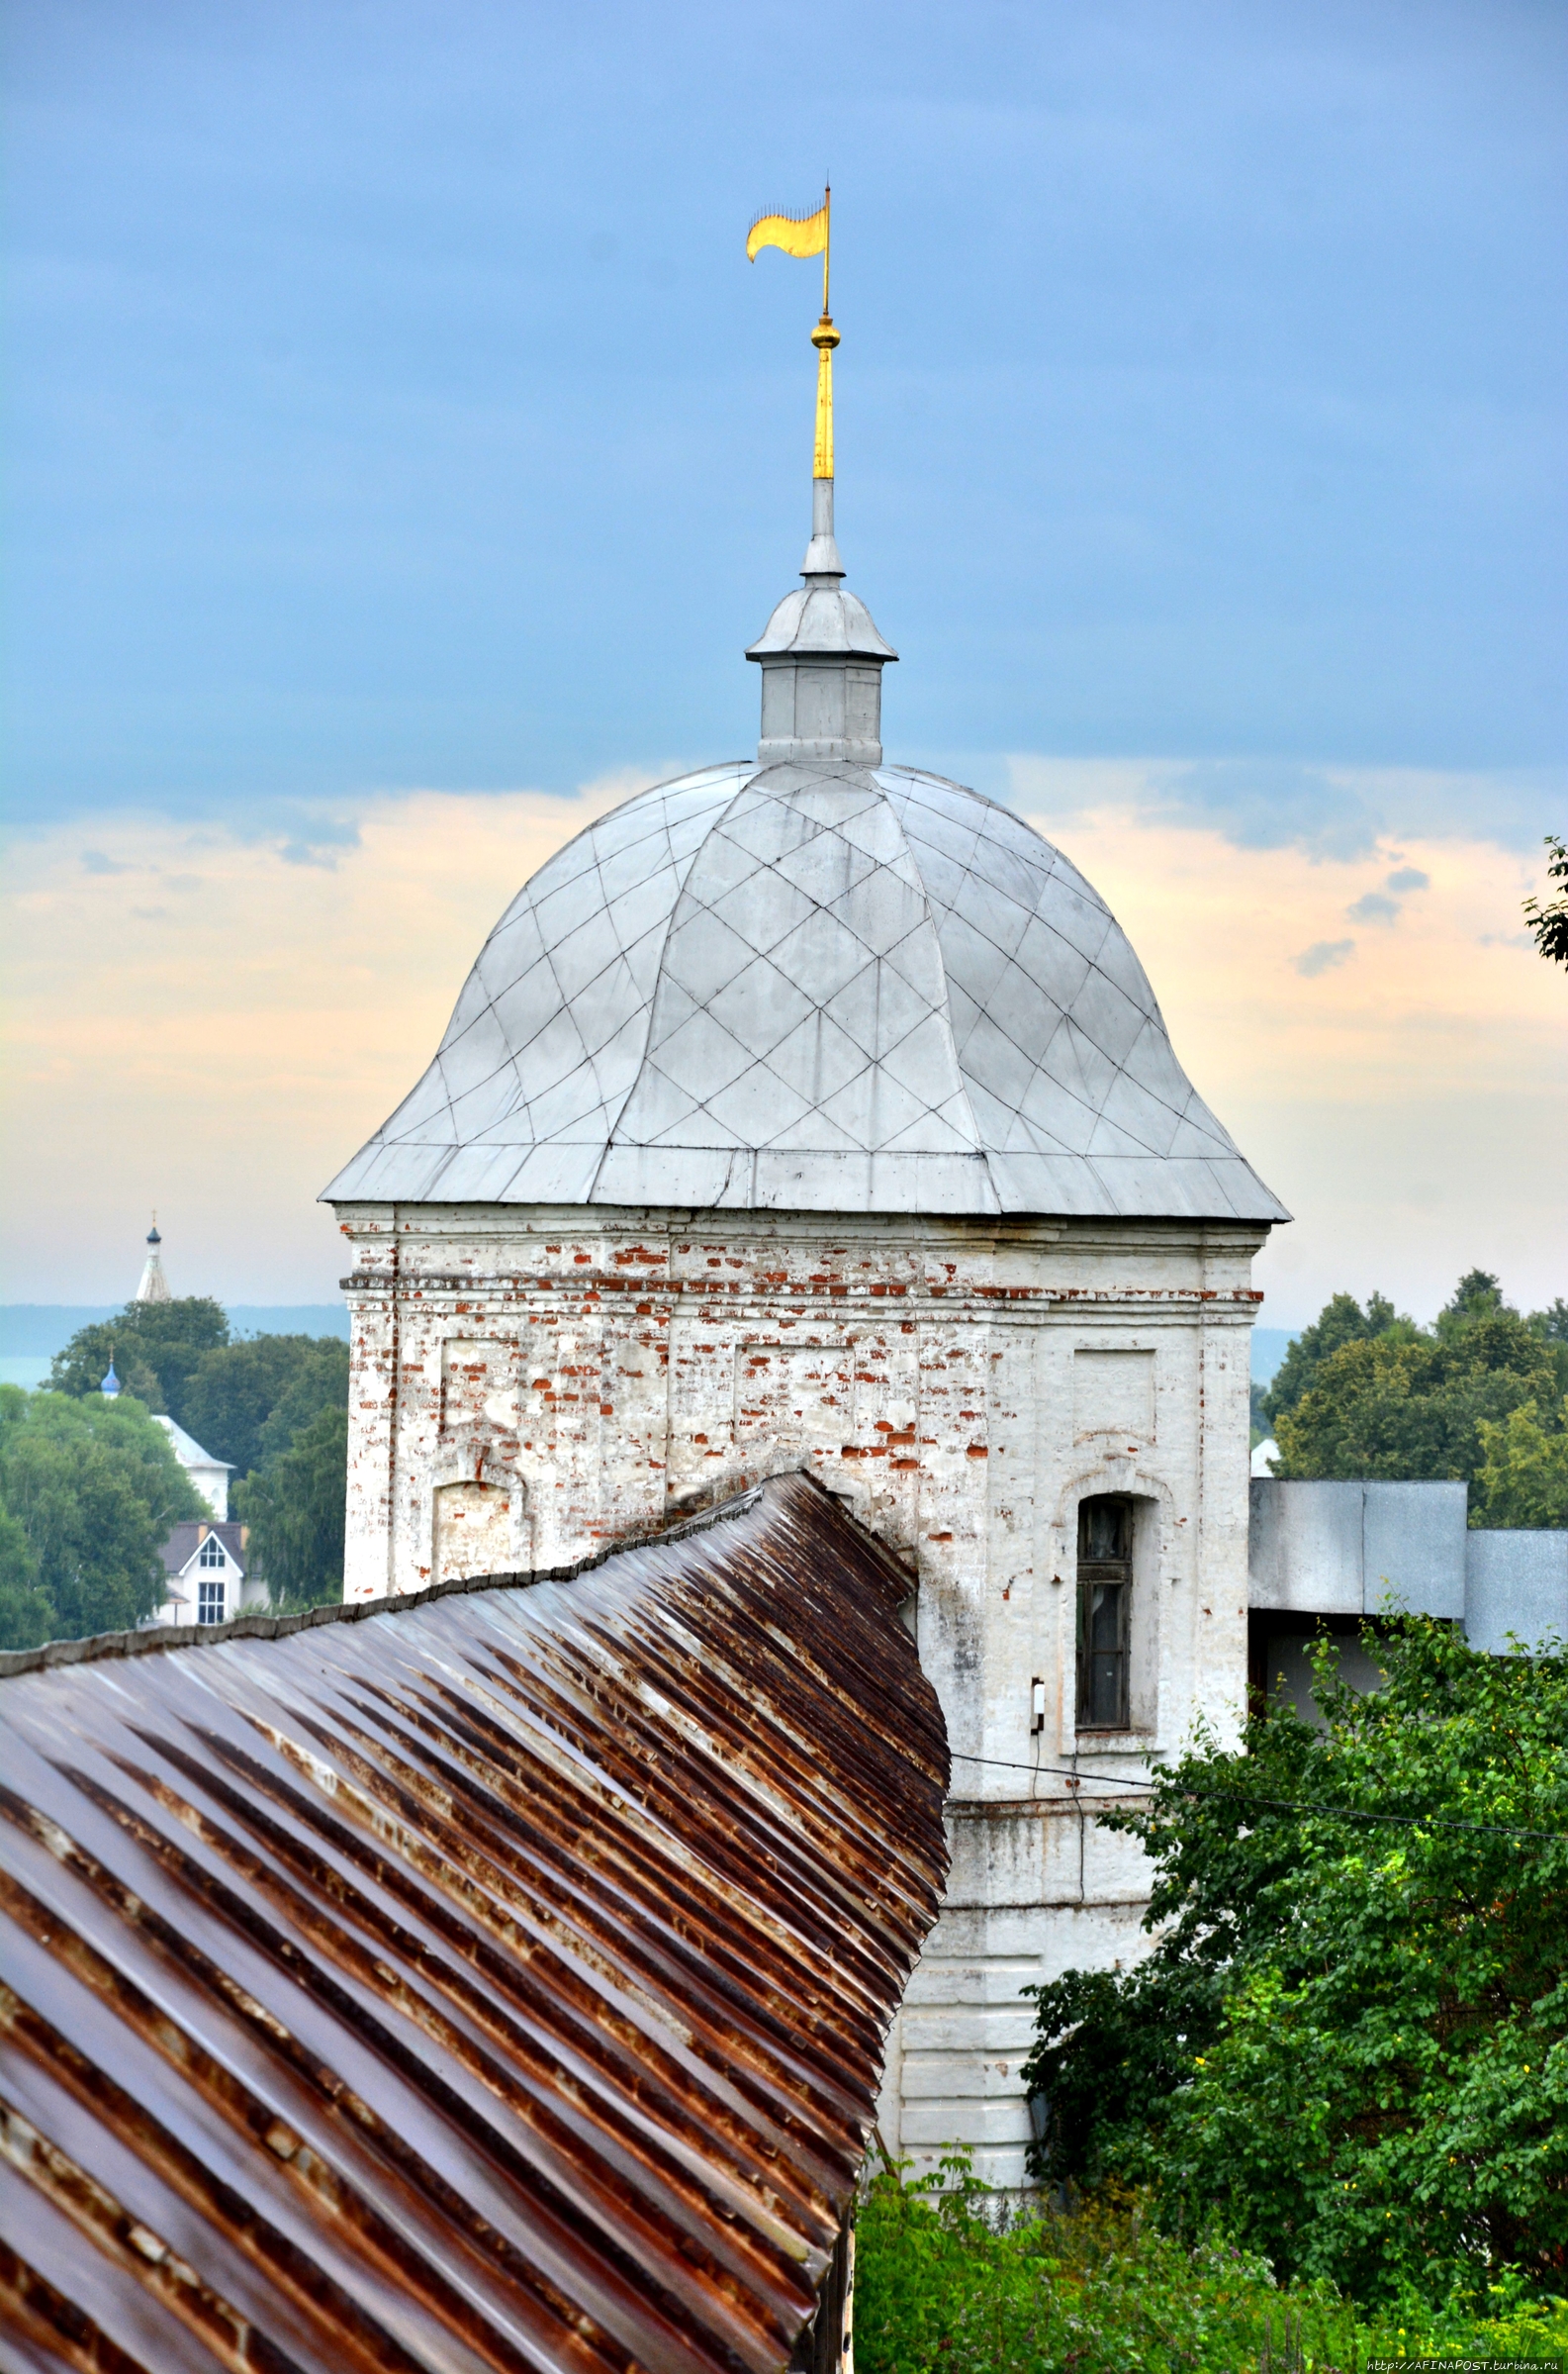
[(400, 455), (390, 404)]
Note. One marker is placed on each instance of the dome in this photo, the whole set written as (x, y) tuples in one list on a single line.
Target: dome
[(810, 981), (810, 985)]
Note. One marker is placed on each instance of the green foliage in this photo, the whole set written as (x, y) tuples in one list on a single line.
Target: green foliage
[(296, 1508), (1392, 1408), (1349, 2043), (1259, 1414), (27, 1612), (245, 1401), (1373, 1395), (157, 1348), (1341, 1321), (1549, 923), (1524, 1476), (948, 2281), (89, 1491)]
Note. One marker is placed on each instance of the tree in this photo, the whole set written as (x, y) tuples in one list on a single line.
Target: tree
[(27, 1612), (93, 1488), (1259, 1414), (1524, 1476), (1549, 923), (1392, 1400), (295, 1507), (1341, 1321), (157, 1346), (1349, 2043), (1396, 1410), (244, 1401)]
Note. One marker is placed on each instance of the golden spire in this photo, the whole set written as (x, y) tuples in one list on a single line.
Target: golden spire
[(824, 338)]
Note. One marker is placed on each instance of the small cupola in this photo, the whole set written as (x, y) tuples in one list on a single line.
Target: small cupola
[(821, 654)]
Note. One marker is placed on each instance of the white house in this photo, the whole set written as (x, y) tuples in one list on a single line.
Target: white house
[(204, 1569), (210, 1475), (810, 1110), (206, 1566)]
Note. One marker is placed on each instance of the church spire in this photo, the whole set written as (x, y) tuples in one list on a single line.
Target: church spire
[(154, 1287), (821, 654)]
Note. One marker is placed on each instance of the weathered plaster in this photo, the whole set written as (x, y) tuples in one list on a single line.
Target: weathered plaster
[(577, 1376)]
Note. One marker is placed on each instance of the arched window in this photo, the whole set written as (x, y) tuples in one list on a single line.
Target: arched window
[(1105, 1607), (212, 1552)]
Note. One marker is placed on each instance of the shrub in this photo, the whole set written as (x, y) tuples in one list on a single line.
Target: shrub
[(949, 2280)]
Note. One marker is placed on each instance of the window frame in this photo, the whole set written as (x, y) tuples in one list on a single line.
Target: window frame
[(1097, 1573)]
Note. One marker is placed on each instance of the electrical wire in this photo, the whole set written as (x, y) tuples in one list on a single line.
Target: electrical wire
[(1288, 1805)]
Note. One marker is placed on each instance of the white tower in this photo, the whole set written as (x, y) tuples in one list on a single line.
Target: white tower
[(814, 1111), (154, 1287)]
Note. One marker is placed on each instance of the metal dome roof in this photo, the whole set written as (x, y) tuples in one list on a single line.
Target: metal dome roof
[(810, 986)]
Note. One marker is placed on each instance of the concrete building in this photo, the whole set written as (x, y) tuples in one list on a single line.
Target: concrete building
[(812, 1111), (1332, 1557)]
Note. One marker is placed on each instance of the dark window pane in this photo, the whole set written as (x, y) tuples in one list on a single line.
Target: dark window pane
[(1103, 1528), (1105, 1589)]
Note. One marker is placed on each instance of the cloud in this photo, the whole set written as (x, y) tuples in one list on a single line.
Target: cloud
[(318, 840), (1373, 907), (276, 1019), (1333, 812), (95, 862), (1273, 804), (1324, 956), (1408, 877)]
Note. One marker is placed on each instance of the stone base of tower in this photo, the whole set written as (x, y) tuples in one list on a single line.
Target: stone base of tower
[(952, 2079), (530, 1384)]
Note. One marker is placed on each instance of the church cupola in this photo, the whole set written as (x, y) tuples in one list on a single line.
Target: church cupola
[(821, 654)]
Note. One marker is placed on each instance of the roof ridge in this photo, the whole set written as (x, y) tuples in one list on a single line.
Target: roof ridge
[(98, 1646)]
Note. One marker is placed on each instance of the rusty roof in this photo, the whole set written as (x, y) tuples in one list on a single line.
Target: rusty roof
[(499, 1981)]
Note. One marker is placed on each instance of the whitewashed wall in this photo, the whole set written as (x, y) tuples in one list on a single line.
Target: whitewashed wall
[(528, 1382)]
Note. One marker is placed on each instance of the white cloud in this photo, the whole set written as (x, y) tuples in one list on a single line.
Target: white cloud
[(221, 1056)]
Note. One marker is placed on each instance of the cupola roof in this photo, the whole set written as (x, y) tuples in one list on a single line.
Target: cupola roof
[(810, 986), (811, 983)]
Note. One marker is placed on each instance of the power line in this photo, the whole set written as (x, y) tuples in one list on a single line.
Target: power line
[(1288, 1805)]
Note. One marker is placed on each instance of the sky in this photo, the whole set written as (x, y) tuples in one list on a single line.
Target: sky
[(401, 453)]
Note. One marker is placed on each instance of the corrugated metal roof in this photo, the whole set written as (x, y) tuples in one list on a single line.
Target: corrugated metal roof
[(496, 1981)]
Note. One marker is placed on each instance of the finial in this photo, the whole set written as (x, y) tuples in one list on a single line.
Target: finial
[(821, 656), (110, 1388), (812, 235)]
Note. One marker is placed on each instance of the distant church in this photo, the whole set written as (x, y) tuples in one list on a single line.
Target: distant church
[(813, 1111), (204, 1563)]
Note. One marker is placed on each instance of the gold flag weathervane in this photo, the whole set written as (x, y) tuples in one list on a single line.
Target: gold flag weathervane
[(808, 234)]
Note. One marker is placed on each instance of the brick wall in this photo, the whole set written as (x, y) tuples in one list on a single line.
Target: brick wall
[(535, 1382)]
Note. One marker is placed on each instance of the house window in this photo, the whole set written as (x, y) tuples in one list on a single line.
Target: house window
[(212, 1552), (209, 1601), (1105, 1597)]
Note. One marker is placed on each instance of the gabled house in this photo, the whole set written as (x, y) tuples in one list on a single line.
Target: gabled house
[(204, 1568)]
